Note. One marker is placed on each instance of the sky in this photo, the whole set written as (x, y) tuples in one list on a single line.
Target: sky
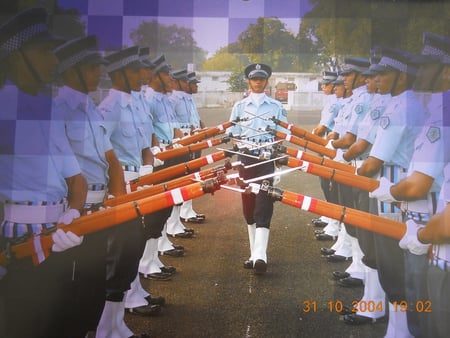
[(215, 23)]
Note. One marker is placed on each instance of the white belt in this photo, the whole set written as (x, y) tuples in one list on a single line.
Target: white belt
[(33, 214), (358, 163), (95, 196), (425, 206), (130, 176)]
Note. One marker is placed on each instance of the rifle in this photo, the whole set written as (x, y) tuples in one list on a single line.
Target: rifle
[(179, 169), (191, 148), (331, 153), (301, 155), (351, 216), (201, 135), (40, 246), (344, 177), (300, 132), (169, 185)]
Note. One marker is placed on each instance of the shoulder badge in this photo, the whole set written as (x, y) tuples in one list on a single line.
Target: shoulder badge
[(384, 122), (433, 134), (359, 108), (375, 114)]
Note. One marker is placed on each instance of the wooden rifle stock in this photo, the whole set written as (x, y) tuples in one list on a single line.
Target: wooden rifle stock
[(179, 169), (110, 217), (301, 155), (354, 217), (304, 143), (300, 132), (201, 135), (344, 177)]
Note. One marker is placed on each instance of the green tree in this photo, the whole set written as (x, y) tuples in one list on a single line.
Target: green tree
[(177, 43), (268, 41), (237, 82), (225, 61), (347, 27)]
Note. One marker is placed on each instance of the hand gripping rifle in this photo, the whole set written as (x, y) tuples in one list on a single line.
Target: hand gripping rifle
[(317, 148), (300, 132), (39, 246)]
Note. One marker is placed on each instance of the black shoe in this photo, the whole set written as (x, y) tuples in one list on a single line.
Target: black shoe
[(168, 269), (182, 235), (327, 251), (325, 237), (193, 220), (189, 230), (248, 264), (319, 223), (260, 267), (346, 310), (145, 310), (142, 335), (350, 282), (340, 274), (178, 247), (355, 319), (338, 258), (157, 276), (160, 300), (173, 253), (318, 232)]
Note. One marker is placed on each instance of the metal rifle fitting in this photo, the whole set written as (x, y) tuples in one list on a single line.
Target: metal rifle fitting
[(275, 193)]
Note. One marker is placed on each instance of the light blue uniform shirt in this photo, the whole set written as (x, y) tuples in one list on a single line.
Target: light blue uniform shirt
[(329, 111), (35, 155), (343, 115), (398, 130), (430, 145), (368, 126), (180, 107), (254, 128), (194, 114), (86, 131), (124, 127), (145, 117), (164, 118), (359, 109)]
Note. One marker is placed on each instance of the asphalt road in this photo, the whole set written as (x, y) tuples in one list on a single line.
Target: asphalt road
[(211, 295)]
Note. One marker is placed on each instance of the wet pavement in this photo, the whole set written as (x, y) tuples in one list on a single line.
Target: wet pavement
[(211, 295)]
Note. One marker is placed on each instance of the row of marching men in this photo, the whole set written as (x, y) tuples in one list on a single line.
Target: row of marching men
[(61, 156), (389, 117)]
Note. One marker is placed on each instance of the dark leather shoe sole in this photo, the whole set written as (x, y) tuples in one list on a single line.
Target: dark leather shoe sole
[(338, 258), (318, 223), (248, 264), (260, 267), (340, 274), (355, 319), (182, 235), (173, 253), (318, 232), (146, 310), (160, 300), (325, 237), (193, 220), (168, 269), (350, 282), (327, 252), (158, 276)]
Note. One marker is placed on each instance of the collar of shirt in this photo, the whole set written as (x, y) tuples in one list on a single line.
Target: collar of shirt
[(248, 100), (124, 98)]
